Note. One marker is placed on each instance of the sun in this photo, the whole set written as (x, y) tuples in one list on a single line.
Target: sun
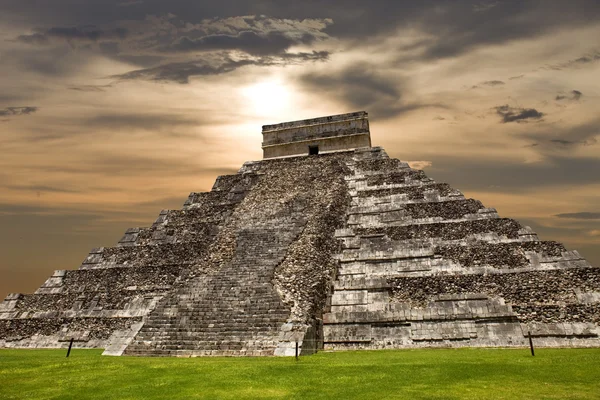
[(268, 96)]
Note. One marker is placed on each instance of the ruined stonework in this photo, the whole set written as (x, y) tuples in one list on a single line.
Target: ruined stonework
[(317, 136), (344, 250)]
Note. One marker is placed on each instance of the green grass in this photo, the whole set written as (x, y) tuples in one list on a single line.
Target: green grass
[(406, 374)]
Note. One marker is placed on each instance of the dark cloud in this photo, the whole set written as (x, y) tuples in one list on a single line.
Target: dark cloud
[(453, 28), (485, 6), (557, 137), (90, 88), (113, 50), (361, 86), (130, 3), (492, 83), (575, 63), (580, 215), (41, 188), (457, 31), (247, 41), (569, 143), (503, 177), (181, 72), (574, 95), (471, 21), (50, 61), (517, 114), (143, 121), (272, 28), (15, 111), (166, 46), (73, 34), (488, 83), (562, 142), (588, 58)]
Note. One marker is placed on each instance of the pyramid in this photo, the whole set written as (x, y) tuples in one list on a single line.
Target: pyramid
[(326, 243)]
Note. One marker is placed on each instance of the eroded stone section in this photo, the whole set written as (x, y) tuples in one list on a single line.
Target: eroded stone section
[(498, 255), (412, 192), (57, 332), (271, 268), (503, 227)]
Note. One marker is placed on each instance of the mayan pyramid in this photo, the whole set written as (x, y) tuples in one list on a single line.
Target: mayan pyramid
[(327, 242)]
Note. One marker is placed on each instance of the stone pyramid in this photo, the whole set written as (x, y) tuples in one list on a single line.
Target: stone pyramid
[(328, 243)]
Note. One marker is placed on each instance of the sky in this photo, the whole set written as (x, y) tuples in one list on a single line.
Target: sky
[(112, 110)]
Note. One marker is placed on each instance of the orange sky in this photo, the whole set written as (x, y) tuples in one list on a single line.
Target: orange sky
[(112, 111)]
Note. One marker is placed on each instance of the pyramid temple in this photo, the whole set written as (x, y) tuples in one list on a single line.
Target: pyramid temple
[(326, 242)]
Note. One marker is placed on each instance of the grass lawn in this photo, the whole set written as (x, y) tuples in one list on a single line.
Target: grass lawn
[(407, 374)]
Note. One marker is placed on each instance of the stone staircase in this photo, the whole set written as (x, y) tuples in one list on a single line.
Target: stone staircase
[(235, 311)]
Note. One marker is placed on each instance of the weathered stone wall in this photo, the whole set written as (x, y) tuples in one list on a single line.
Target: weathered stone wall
[(333, 133)]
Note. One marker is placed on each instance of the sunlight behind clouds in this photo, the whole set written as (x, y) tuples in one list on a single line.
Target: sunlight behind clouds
[(268, 97)]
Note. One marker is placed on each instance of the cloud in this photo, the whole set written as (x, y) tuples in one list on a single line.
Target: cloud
[(166, 47), (492, 83), (296, 29), (129, 3), (488, 83), (15, 111), (90, 88), (249, 42), (41, 188), (574, 95), (580, 215), (510, 176), (90, 34), (181, 72), (485, 6), (363, 86), (516, 77), (517, 114), (575, 63), (567, 143), (419, 164), (257, 35), (559, 137), (143, 121)]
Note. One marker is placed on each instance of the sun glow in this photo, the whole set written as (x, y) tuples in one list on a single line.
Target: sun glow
[(268, 97)]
